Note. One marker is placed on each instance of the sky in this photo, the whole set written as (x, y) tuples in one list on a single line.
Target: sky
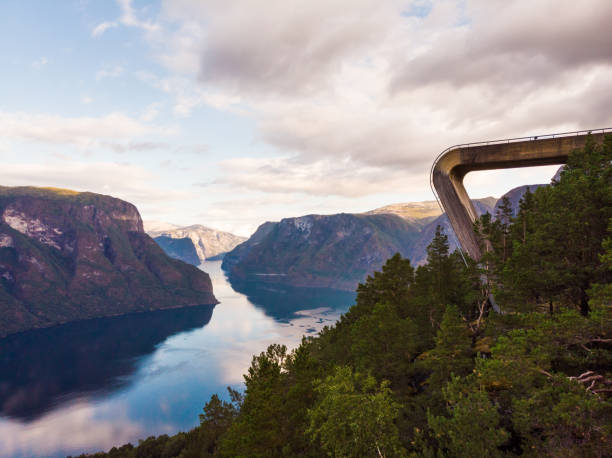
[(231, 113)]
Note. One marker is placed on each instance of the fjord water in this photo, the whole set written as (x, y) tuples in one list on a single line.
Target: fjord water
[(90, 385)]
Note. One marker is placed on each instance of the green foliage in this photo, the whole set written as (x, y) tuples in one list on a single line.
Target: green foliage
[(472, 427), (354, 416), (453, 352), (551, 253)]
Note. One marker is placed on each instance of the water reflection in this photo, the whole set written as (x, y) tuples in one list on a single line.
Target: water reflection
[(282, 302), (39, 369), (87, 386)]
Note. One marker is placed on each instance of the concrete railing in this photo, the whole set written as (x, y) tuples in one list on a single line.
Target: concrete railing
[(452, 164)]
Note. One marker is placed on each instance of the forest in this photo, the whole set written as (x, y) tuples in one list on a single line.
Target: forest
[(422, 365)]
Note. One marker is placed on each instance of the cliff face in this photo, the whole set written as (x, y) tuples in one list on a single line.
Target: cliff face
[(209, 243), (333, 251), (66, 256)]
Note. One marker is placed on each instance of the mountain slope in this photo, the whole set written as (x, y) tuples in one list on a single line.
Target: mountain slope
[(514, 196), (66, 256), (334, 251), (418, 251), (419, 213), (209, 243), (181, 249)]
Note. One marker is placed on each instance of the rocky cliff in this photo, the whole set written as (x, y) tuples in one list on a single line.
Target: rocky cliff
[(332, 251), (66, 256), (209, 243)]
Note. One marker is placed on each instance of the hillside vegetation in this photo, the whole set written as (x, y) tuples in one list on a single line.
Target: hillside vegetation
[(420, 366)]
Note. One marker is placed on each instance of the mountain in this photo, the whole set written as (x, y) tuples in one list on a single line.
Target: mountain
[(67, 256), (330, 251), (418, 251), (209, 243), (241, 251), (182, 249), (514, 196), (419, 213)]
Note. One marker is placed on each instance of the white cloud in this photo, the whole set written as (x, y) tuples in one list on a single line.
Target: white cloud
[(103, 27), (125, 181), (128, 17), (81, 131), (325, 177)]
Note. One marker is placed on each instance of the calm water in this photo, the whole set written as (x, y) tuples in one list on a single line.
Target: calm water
[(87, 386)]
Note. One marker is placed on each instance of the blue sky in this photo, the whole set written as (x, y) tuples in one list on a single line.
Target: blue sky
[(229, 114)]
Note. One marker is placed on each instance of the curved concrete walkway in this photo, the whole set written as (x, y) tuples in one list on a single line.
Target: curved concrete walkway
[(451, 166)]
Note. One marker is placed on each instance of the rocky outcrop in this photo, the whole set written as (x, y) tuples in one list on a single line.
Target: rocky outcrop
[(330, 251), (209, 243), (66, 256)]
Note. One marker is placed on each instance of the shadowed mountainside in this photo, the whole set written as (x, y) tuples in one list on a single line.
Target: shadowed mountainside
[(325, 251)]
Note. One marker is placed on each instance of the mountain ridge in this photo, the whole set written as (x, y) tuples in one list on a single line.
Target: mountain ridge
[(208, 243), (66, 255)]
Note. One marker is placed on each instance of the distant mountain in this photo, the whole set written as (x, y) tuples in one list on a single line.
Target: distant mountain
[(416, 212), (241, 251), (418, 251), (182, 249), (514, 196), (66, 256), (208, 243), (331, 251)]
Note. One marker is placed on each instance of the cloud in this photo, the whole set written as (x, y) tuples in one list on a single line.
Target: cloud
[(125, 181), (81, 131), (274, 45), (136, 146), (390, 85), (103, 27), (128, 18), (109, 72), (321, 178), (509, 44), (39, 63)]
